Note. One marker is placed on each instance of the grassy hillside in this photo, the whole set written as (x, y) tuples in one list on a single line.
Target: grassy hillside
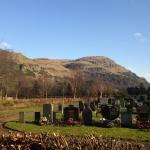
[(16, 69)]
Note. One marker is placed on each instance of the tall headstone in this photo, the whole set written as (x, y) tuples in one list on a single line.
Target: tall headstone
[(21, 117), (37, 117), (126, 119), (71, 112), (48, 112), (87, 115)]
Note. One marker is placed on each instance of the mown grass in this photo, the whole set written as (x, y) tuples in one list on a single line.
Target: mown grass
[(125, 133)]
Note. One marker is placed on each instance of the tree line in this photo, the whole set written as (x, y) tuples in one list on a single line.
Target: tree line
[(43, 87), (140, 90)]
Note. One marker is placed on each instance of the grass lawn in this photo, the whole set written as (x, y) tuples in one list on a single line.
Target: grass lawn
[(124, 133)]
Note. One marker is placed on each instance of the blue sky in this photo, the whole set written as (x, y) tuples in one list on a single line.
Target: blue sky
[(70, 29)]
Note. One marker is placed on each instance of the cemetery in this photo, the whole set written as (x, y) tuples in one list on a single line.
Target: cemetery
[(94, 120), (101, 113)]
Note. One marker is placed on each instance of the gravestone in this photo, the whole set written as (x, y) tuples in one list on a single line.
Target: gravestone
[(37, 117), (110, 112), (87, 115), (109, 101), (126, 119), (117, 102), (81, 106), (21, 117), (54, 116), (48, 112), (71, 112), (104, 101)]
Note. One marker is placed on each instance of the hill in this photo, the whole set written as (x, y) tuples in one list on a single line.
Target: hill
[(89, 70)]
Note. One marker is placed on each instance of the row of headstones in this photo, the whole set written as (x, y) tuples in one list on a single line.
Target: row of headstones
[(47, 112), (96, 104), (86, 109), (72, 112), (126, 117), (68, 112)]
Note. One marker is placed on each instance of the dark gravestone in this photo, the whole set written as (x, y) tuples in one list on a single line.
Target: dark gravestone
[(87, 115), (109, 101), (110, 112), (71, 112), (37, 117), (54, 116), (48, 112), (126, 119), (81, 106)]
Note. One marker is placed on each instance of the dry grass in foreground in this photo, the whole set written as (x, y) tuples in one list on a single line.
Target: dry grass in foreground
[(59, 142)]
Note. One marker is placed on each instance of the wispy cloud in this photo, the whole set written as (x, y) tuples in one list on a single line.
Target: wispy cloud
[(139, 36), (5, 45)]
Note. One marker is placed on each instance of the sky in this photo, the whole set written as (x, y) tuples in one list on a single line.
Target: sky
[(70, 29)]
